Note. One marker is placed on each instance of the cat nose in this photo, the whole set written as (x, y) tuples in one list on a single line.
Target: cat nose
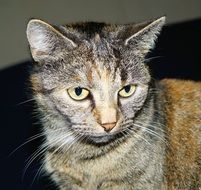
[(108, 126)]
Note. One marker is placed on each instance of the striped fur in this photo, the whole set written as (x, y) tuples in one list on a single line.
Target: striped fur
[(155, 143)]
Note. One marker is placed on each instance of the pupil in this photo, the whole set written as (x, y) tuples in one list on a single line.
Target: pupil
[(127, 88), (78, 91)]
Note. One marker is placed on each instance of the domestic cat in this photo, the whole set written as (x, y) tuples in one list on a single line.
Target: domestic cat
[(108, 123)]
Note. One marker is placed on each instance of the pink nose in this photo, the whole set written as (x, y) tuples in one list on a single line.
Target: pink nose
[(108, 126)]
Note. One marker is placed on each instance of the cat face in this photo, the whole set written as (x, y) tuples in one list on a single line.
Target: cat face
[(91, 79)]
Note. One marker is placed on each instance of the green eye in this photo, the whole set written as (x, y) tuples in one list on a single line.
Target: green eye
[(127, 91), (78, 93)]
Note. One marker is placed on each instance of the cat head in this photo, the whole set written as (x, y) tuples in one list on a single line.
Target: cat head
[(90, 79)]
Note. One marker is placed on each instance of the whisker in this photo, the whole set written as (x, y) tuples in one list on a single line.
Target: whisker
[(131, 132), (77, 137), (64, 143), (29, 140), (38, 153), (37, 175), (151, 132), (154, 126), (57, 149), (35, 155), (26, 101), (32, 138)]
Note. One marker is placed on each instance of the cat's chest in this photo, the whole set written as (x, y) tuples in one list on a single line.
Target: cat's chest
[(96, 170), (88, 173), (101, 173)]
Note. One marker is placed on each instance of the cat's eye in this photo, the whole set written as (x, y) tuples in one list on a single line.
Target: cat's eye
[(78, 93), (127, 91)]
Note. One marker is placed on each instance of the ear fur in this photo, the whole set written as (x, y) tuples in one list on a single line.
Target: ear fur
[(45, 41), (145, 38)]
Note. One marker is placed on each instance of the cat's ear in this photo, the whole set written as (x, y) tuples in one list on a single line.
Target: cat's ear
[(144, 39), (45, 41)]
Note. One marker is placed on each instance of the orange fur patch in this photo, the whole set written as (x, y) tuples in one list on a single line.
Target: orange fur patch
[(183, 110)]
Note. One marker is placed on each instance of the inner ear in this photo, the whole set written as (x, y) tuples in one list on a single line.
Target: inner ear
[(144, 39), (46, 41)]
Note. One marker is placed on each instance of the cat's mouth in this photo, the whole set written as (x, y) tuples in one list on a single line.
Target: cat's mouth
[(102, 139)]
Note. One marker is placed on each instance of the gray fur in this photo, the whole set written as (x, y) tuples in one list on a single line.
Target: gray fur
[(80, 154)]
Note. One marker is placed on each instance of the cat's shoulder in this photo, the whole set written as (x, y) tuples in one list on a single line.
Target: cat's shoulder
[(182, 107), (183, 117)]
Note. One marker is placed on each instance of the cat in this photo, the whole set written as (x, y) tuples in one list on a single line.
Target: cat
[(108, 123)]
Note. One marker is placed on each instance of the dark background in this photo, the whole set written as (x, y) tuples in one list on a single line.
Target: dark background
[(177, 55)]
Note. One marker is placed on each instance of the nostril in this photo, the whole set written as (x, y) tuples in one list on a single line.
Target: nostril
[(108, 126)]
